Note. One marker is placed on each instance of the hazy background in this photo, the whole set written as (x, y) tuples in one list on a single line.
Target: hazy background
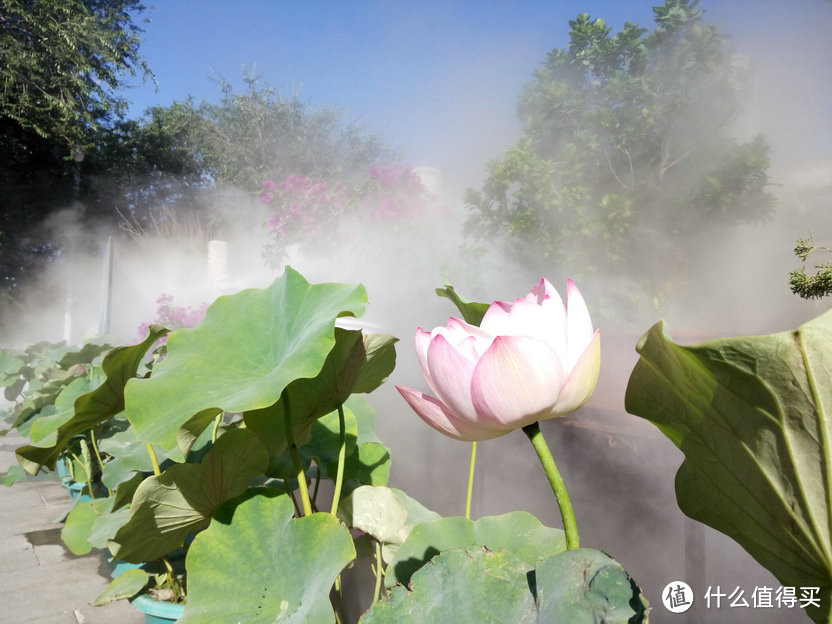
[(440, 82)]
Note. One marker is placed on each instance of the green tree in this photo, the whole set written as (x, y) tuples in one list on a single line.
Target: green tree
[(61, 62), (259, 134), (626, 150)]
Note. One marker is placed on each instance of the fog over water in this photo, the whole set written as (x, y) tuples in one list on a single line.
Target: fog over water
[(619, 469)]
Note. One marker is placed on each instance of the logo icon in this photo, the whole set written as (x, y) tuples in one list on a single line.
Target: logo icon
[(677, 597)]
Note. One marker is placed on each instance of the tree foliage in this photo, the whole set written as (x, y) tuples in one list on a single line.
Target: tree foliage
[(626, 144), (60, 65), (61, 62), (260, 134)]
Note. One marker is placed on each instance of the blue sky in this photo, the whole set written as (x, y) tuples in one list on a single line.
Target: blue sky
[(440, 80)]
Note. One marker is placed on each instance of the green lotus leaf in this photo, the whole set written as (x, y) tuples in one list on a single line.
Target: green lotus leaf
[(519, 532), (369, 464), (91, 523), (126, 585), (753, 416), (10, 366), (462, 585), (586, 585), (325, 441), (85, 355), (249, 347), (129, 457), (348, 364), (376, 511), (125, 490), (94, 407), (44, 431), (387, 514), (474, 584), (378, 362), (166, 508), (257, 564), (15, 474)]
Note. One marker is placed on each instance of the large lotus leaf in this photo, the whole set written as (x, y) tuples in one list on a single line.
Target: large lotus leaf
[(257, 564), (474, 584), (183, 498), (519, 532), (347, 363), (93, 408), (586, 585), (462, 585), (249, 347), (753, 416)]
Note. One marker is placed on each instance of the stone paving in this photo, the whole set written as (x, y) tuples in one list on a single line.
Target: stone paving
[(40, 581)]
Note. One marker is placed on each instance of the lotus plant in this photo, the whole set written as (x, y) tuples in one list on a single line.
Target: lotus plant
[(527, 361)]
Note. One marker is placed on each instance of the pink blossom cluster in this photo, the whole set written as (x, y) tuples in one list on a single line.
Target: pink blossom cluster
[(394, 193), (305, 208), (301, 204), (174, 317)]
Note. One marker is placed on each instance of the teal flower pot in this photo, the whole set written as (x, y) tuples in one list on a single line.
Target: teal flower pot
[(156, 611)]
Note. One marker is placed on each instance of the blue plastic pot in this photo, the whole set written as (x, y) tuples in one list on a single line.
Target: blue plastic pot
[(156, 611)]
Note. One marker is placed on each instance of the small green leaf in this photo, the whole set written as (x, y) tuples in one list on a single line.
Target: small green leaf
[(15, 474), (374, 510), (471, 311), (127, 585), (90, 524)]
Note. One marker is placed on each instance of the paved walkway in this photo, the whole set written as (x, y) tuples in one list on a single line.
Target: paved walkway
[(40, 581)]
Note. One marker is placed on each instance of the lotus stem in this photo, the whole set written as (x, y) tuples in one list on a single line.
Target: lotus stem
[(471, 480), (570, 526), (153, 459), (85, 456), (379, 573), (98, 457), (342, 455), (317, 484), (293, 450), (216, 429)]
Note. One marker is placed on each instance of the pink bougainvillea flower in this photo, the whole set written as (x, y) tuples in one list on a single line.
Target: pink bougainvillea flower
[(527, 361)]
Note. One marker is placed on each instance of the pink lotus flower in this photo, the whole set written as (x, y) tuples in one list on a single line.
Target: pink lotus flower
[(527, 361)]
